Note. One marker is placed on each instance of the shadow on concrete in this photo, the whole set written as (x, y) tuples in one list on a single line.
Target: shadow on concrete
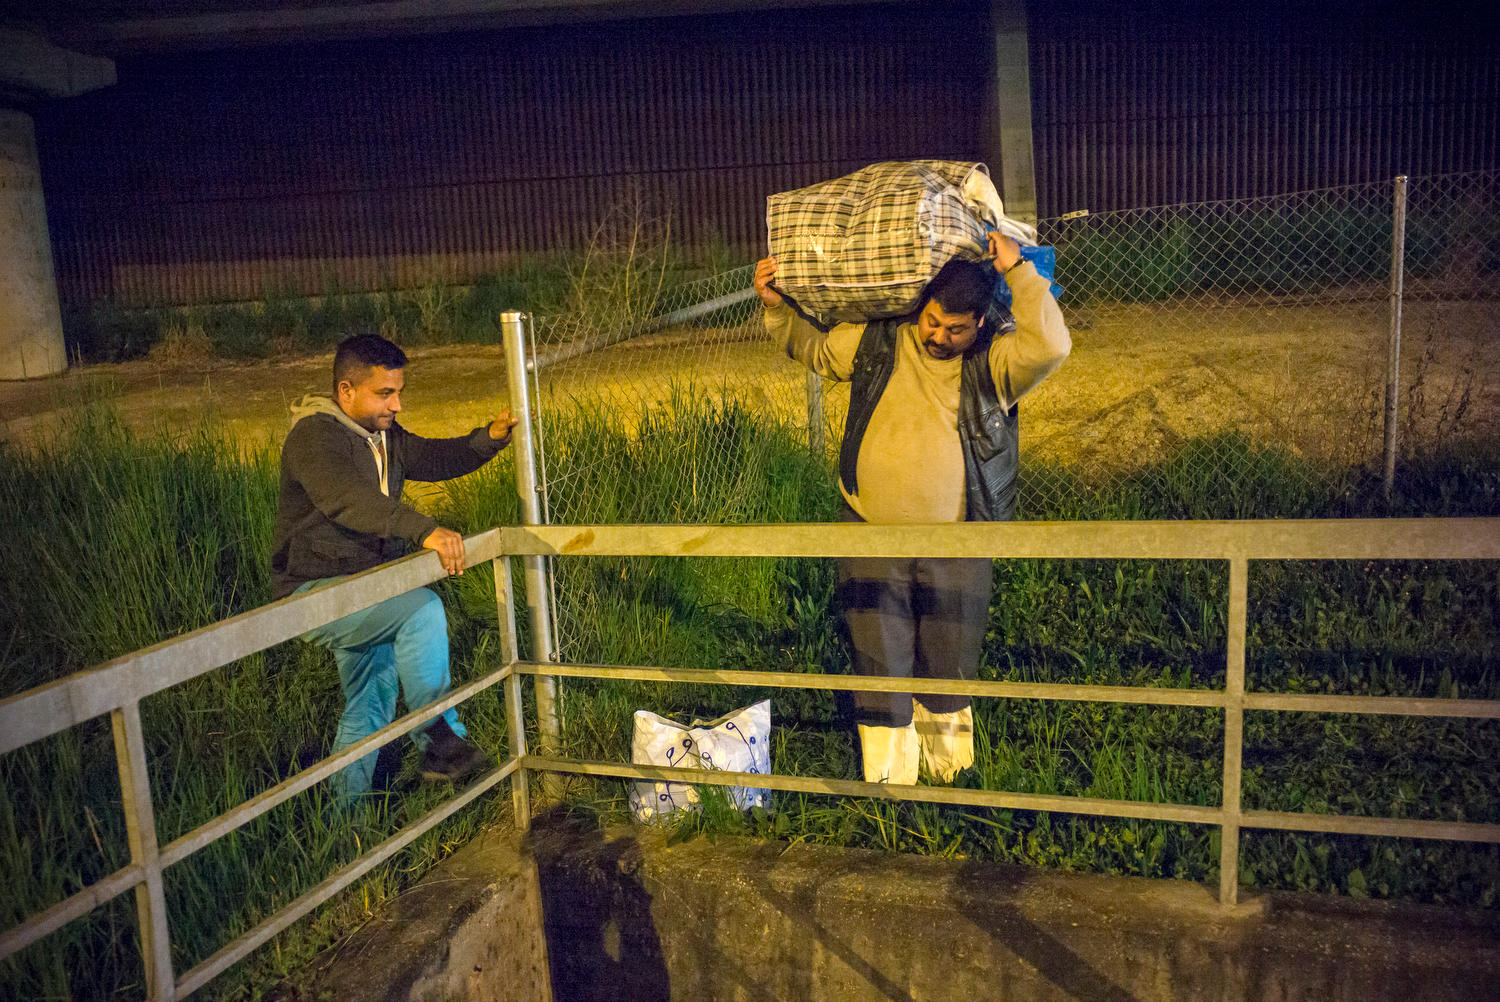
[(1014, 933), (603, 939), (721, 973), (801, 908)]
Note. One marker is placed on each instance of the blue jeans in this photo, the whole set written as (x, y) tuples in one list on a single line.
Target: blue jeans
[(401, 640)]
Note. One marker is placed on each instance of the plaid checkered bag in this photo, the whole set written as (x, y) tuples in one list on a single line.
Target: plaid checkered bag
[(864, 245)]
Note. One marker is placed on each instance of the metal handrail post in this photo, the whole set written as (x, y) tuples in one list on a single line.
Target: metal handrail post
[(140, 828), (513, 333), (515, 716), (1234, 732), (1393, 349)]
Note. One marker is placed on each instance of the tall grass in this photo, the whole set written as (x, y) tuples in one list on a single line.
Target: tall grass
[(120, 541)]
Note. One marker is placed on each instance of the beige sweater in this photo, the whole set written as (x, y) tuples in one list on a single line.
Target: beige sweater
[(911, 467)]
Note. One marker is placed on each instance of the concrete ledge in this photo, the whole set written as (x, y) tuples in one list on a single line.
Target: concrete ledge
[(471, 929), (630, 917), (34, 66), (627, 916)]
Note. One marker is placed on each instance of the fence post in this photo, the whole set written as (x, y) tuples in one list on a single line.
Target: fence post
[(140, 831), (1393, 350), (1234, 731), (538, 594), (814, 413)]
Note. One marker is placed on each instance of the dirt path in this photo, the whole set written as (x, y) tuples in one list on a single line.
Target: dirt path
[(1140, 379)]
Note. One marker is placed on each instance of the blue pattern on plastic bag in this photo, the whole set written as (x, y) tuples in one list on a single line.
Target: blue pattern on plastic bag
[(1045, 259)]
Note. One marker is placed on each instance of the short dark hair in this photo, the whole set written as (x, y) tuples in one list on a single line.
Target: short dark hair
[(358, 354), (962, 287)]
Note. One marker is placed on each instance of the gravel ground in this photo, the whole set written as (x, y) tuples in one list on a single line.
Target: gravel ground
[(1140, 379)]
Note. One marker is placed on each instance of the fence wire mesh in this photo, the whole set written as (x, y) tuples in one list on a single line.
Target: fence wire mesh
[(1222, 343), (1218, 347)]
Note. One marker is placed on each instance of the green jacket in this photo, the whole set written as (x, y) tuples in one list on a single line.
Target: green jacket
[(332, 519)]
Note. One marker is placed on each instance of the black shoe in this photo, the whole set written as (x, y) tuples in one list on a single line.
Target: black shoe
[(449, 756), (388, 765)]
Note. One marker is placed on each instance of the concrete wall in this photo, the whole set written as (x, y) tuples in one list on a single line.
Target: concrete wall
[(31, 341), (628, 916), (471, 930)]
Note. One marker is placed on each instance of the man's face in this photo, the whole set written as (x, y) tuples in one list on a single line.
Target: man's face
[(374, 402), (946, 335)]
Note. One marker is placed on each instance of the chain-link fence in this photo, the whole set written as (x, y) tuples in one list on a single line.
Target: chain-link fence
[(683, 415), (1219, 337), (1229, 354)]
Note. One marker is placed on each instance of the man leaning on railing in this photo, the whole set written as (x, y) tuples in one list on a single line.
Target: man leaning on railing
[(340, 512)]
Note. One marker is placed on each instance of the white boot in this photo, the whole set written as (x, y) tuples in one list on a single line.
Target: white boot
[(890, 753), (946, 739)]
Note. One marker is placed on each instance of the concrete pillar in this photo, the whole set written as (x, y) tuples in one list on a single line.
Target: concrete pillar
[(31, 340), (1010, 144)]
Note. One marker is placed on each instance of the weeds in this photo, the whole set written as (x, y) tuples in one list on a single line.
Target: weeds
[(119, 541)]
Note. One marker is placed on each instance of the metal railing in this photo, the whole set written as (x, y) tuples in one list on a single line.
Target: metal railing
[(118, 687), (1237, 542)]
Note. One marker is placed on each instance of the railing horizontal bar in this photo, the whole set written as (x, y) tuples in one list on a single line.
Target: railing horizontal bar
[(1259, 539), (44, 923), (336, 882), (45, 710), (1401, 705), (886, 791), (1344, 824), (222, 825), (867, 683)]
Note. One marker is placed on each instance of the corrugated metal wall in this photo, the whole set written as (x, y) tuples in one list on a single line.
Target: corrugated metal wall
[(365, 165), (219, 177), (1140, 109)]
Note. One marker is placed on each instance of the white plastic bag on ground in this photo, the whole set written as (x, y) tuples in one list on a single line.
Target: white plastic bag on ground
[(865, 245), (736, 742)]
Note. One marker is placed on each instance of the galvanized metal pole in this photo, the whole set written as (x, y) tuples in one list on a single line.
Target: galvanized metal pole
[(1393, 360), (538, 600), (515, 717), (140, 831), (1234, 732), (814, 413)]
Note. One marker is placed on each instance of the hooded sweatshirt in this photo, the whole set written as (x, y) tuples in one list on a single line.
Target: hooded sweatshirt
[(336, 514)]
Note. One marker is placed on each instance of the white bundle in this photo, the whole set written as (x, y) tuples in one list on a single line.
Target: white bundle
[(736, 742)]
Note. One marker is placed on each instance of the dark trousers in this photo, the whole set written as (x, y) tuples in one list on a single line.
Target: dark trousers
[(912, 618)]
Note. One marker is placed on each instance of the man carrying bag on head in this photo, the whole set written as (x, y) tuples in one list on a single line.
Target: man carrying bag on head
[(932, 436)]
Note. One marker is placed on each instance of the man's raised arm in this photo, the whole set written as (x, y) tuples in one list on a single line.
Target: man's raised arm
[(830, 354), (1039, 344)]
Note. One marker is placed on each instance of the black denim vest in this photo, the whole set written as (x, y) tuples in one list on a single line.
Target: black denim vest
[(989, 433)]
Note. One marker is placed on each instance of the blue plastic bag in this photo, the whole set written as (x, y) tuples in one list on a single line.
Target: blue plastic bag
[(1045, 259)]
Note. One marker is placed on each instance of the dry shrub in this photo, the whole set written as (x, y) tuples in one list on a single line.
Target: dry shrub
[(1438, 409), (183, 341), (616, 284)]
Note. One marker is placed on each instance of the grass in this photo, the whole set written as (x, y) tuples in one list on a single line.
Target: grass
[(438, 311), (119, 541)]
